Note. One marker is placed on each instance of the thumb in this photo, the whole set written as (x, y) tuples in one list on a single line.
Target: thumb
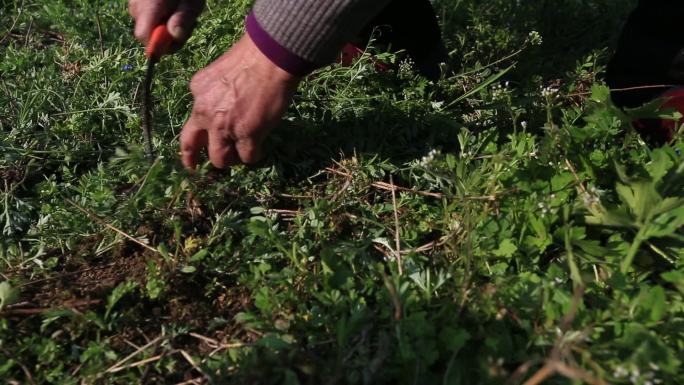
[(184, 19), (148, 14)]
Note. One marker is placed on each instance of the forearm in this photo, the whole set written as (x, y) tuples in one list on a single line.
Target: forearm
[(301, 35)]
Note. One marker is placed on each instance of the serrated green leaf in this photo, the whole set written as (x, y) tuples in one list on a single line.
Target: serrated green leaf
[(659, 165), (7, 294), (506, 248)]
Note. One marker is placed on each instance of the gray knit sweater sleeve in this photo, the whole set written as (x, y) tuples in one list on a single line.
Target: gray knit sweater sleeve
[(300, 35)]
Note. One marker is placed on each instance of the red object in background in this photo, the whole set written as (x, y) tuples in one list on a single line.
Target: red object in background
[(659, 132), (351, 52), (160, 43)]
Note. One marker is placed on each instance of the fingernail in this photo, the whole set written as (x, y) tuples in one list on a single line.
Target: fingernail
[(177, 32)]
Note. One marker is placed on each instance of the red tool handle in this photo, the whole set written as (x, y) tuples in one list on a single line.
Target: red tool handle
[(160, 42)]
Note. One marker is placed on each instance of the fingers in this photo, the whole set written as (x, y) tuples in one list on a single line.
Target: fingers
[(221, 150), (184, 19), (148, 14), (249, 150), (180, 16), (193, 139), (238, 99)]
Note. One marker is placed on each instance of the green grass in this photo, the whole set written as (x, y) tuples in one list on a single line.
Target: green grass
[(535, 230)]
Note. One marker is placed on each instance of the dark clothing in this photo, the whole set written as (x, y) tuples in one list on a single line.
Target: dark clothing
[(650, 59), (650, 52), (410, 26), (302, 35)]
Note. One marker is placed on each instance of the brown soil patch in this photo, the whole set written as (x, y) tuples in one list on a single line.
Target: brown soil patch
[(86, 283), (81, 283)]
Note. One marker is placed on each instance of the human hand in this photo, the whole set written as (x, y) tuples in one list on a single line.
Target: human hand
[(239, 98), (180, 17)]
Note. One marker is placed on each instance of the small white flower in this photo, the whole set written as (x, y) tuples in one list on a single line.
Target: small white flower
[(549, 92), (590, 199), (543, 208), (499, 91), (620, 372), (406, 68), (429, 158), (534, 38), (523, 124)]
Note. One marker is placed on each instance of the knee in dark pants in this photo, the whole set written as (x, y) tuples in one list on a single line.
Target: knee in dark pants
[(649, 63), (410, 26)]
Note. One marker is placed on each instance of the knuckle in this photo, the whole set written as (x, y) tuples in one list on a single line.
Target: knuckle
[(195, 83), (200, 111), (134, 6)]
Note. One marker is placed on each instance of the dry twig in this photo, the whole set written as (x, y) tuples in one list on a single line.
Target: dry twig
[(572, 169), (192, 363), (193, 381), (561, 353), (110, 227), (394, 296), (386, 186), (397, 230), (138, 363), (73, 305), (117, 367)]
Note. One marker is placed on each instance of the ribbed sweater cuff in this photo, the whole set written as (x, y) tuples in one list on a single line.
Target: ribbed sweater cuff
[(275, 52)]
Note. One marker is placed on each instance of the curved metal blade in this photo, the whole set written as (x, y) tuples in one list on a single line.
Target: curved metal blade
[(147, 109)]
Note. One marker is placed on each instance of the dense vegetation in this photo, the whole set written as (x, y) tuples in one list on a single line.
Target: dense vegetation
[(501, 225)]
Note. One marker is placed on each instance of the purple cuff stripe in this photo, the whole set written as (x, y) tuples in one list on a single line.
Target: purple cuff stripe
[(278, 54)]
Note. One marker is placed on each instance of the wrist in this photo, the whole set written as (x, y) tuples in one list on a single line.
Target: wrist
[(266, 67)]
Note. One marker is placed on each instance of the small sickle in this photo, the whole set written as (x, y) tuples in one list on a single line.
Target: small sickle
[(160, 43)]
